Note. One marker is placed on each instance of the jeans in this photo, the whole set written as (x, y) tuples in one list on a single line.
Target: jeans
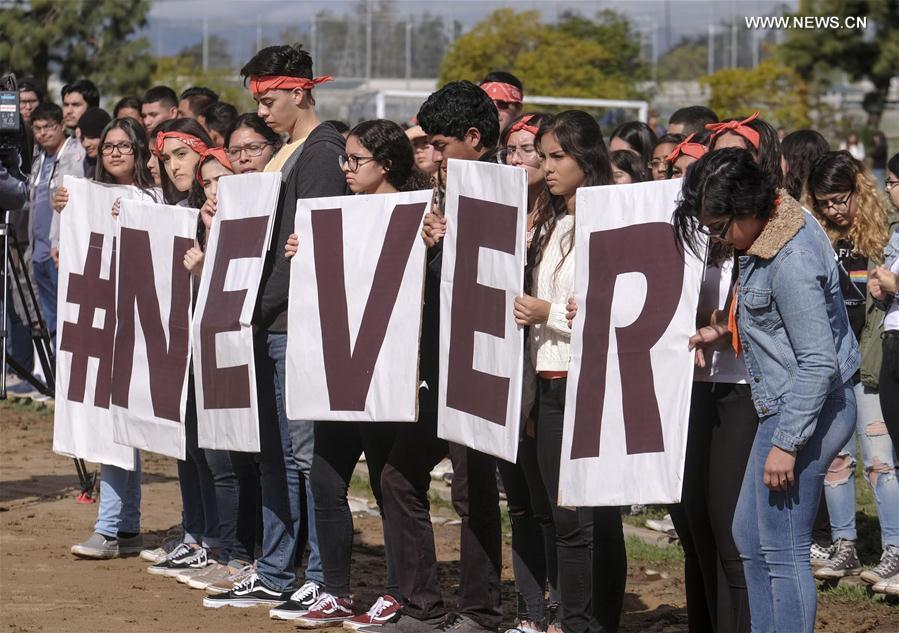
[(46, 280), (338, 446), (533, 533), (119, 509), (589, 541), (279, 471), (723, 424), (879, 460), (199, 513), (302, 440), (235, 481), (773, 530), (18, 333)]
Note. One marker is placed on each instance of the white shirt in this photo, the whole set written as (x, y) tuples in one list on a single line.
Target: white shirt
[(550, 341), (891, 320)]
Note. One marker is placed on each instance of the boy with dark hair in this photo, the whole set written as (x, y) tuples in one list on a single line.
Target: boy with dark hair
[(218, 118), (690, 120), (31, 93), (59, 155), (160, 104), (281, 80), (194, 100), (77, 97), (461, 122), (507, 92)]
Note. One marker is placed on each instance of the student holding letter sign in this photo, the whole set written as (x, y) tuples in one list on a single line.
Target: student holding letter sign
[(589, 541), (359, 258), (794, 334)]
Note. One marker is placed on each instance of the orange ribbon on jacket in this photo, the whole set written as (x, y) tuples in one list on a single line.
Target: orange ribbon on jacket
[(524, 123), (219, 154), (188, 139), (695, 150), (499, 91), (732, 322), (737, 127), (261, 85)]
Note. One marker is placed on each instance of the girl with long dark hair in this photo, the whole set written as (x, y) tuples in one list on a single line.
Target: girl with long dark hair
[(379, 160), (790, 325), (123, 152), (799, 151), (592, 562)]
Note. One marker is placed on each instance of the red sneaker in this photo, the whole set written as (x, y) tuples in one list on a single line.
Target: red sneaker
[(381, 612), (327, 611)]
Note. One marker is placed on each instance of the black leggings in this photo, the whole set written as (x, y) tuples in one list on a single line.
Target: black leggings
[(723, 423), (533, 533), (338, 446), (889, 384), (589, 541)]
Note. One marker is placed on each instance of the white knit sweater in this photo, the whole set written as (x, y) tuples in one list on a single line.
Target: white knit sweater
[(548, 343)]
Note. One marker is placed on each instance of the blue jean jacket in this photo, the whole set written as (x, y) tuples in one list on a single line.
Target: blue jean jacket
[(793, 325), (891, 252)]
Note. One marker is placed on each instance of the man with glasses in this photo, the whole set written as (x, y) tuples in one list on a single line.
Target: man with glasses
[(507, 92), (58, 156)]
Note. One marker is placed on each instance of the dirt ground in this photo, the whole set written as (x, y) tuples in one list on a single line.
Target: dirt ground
[(44, 588)]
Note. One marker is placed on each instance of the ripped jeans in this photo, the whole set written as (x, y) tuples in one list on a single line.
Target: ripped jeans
[(879, 459)]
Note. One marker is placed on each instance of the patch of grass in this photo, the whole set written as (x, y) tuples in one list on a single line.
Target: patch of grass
[(638, 550), (359, 487)]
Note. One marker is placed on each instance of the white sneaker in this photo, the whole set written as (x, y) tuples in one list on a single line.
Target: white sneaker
[(888, 586)]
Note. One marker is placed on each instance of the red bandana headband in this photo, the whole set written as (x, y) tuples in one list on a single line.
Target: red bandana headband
[(695, 150), (261, 85), (188, 139), (524, 123), (219, 154), (502, 92), (737, 127)]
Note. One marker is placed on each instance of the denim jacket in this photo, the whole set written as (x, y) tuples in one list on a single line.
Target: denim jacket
[(794, 330), (891, 252)]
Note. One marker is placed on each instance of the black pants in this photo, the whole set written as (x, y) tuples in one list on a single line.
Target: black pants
[(405, 481), (589, 541), (236, 496), (338, 446), (533, 533), (889, 384), (723, 423)]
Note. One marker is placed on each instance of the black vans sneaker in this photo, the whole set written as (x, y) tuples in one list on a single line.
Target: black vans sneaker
[(249, 593), (299, 602), (193, 558)]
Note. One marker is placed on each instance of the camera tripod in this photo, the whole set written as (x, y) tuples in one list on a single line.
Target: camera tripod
[(14, 269)]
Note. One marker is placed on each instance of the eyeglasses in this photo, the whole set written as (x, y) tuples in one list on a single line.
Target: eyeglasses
[(502, 105), (40, 129), (889, 184), (658, 163), (352, 162), (252, 150), (125, 148), (528, 153), (826, 206), (717, 235)]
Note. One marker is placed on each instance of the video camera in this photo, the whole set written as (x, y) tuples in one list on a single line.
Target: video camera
[(10, 121)]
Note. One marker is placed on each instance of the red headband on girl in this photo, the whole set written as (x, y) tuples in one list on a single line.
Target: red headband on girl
[(695, 150), (188, 139), (219, 154), (261, 85), (502, 92), (737, 127), (524, 123)]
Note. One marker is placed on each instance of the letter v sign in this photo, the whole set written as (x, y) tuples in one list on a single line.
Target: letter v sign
[(349, 368)]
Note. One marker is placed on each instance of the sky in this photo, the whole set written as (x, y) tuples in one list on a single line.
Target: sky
[(178, 23)]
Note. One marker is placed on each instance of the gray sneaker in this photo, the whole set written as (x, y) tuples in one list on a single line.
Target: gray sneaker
[(886, 568), (402, 623), (844, 562), (212, 574), (101, 547), (238, 575)]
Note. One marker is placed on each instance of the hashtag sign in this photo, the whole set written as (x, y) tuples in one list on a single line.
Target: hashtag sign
[(91, 292)]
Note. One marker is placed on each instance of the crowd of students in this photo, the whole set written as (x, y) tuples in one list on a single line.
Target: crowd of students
[(797, 359)]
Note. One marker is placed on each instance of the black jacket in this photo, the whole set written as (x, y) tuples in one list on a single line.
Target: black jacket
[(315, 174)]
